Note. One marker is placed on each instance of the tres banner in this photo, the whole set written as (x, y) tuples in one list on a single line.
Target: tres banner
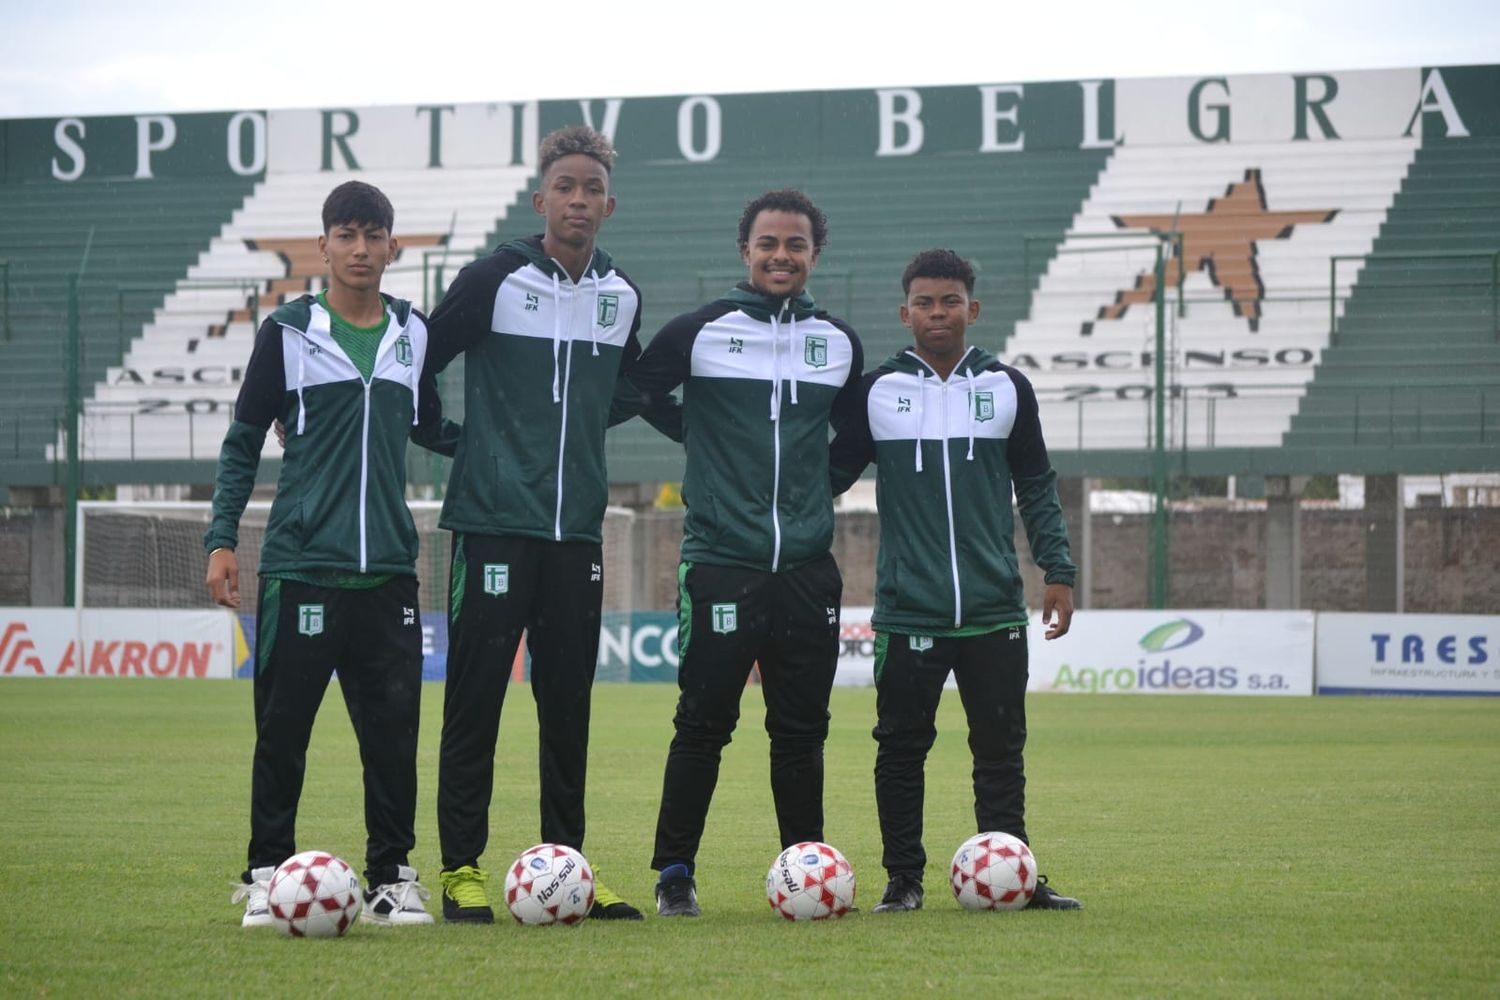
[(1408, 654)]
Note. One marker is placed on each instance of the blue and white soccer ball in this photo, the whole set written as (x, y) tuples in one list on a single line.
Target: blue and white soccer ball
[(549, 884)]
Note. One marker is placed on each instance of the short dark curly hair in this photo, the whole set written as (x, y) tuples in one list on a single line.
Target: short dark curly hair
[(785, 200), (575, 139), (938, 263), (360, 204)]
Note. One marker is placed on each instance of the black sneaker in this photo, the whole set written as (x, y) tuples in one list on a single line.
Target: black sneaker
[(902, 893), (1048, 898), (608, 905), (464, 899), (677, 893)]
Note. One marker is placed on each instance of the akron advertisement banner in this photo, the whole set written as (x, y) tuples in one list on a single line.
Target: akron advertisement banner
[(61, 642), (1408, 654)]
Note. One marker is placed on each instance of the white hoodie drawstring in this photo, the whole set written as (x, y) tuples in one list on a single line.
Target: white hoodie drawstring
[(556, 338), (412, 380), (973, 405), (791, 346), (775, 367), (594, 318), (791, 341), (921, 388), (301, 377)]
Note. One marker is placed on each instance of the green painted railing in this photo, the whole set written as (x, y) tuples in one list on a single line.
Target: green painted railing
[(1492, 255)]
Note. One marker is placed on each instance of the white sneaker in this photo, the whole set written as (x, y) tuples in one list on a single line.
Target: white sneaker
[(398, 902), (257, 907)]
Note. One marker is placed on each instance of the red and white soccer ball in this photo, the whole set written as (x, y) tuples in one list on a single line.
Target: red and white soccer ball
[(994, 871), (314, 894), (810, 881), (549, 884)]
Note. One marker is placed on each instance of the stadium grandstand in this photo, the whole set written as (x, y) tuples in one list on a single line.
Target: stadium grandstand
[(1232, 293)]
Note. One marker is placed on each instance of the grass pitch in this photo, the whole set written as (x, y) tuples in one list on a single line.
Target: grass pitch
[(1223, 846)]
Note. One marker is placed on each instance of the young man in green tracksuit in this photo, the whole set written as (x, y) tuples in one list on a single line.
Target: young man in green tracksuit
[(547, 326), (344, 373), (764, 372), (952, 431)]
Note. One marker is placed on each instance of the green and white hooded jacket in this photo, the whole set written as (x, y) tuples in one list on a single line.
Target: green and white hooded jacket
[(762, 380), (947, 454), (340, 504), (543, 360)]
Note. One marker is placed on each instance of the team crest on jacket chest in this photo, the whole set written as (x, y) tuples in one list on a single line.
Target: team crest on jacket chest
[(984, 406), (609, 309), (815, 351), (403, 350)]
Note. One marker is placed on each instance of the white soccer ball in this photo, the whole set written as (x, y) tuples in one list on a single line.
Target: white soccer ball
[(810, 881), (314, 894), (994, 871), (549, 884)]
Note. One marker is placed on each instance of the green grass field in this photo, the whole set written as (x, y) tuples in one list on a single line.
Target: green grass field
[(1223, 847)]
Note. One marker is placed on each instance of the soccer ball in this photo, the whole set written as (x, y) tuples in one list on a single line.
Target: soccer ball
[(314, 894), (810, 881), (994, 871), (549, 884)]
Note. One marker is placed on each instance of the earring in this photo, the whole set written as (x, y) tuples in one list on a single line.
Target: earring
[(325, 258)]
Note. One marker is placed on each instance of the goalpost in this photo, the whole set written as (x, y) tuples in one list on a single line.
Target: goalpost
[(134, 554)]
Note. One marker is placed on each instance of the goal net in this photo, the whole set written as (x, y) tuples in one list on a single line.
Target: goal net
[(150, 555)]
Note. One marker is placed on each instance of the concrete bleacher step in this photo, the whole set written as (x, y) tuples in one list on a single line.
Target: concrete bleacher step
[(1417, 359), (1323, 201), (144, 235)]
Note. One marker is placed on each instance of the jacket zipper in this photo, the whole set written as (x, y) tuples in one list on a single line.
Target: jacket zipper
[(958, 602), (364, 479), (948, 500), (776, 447), (562, 435)]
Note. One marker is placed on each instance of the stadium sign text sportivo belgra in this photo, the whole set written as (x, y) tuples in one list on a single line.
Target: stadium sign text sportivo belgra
[(887, 122)]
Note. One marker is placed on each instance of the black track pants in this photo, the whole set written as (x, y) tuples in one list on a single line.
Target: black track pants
[(730, 619), (500, 587), (909, 676), (373, 638)]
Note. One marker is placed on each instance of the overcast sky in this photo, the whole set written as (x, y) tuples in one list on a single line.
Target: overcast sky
[(82, 57)]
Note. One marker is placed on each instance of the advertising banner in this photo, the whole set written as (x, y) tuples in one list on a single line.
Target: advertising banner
[(639, 646), (856, 648), (38, 642), (1177, 652), (1408, 654), (60, 642), (1149, 652)]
